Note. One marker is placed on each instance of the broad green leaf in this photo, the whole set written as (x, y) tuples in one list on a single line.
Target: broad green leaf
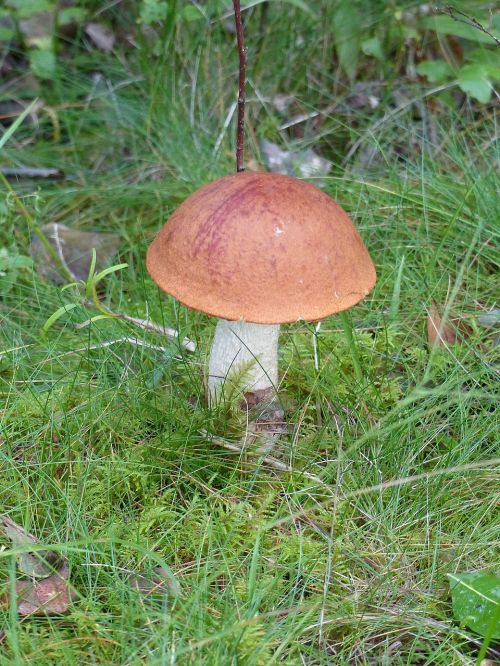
[(89, 285), (410, 32), (70, 15), (476, 602), (373, 47), (28, 8), (107, 271), (489, 59), (6, 33), (449, 26), (43, 63), (57, 315), (95, 318), (43, 43), (300, 4), (191, 13), (70, 285), (346, 32), (435, 70), (473, 80), (153, 11), (9, 262)]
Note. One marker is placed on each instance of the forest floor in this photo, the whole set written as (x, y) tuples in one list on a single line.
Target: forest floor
[(337, 548)]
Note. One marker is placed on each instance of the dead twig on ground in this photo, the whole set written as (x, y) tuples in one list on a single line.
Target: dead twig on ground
[(455, 14), (145, 325)]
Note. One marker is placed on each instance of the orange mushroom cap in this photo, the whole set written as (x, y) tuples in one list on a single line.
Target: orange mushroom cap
[(262, 247)]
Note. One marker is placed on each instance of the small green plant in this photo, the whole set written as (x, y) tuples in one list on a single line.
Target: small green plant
[(481, 66), (476, 604), (11, 265), (381, 33), (90, 289), (35, 24)]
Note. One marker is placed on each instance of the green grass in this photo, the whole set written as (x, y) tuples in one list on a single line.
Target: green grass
[(102, 448)]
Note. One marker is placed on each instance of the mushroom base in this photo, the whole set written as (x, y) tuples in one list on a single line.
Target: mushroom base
[(244, 356)]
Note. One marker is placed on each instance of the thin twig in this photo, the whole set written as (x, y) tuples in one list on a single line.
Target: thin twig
[(390, 114), (137, 342), (396, 616), (425, 476), (453, 13), (272, 462), (146, 325), (381, 487), (307, 116), (57, 241), (240, 131), (32, 172), (226, 124)]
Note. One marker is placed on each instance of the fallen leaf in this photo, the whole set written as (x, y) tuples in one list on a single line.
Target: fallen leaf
[(50, 596), (36, 564), (32, 172), (489, 319), (304, 163), (101, 36), (158, 581), (437, 333), (253, 165), (10, 110), (74, 247), (37, 30), (282, 101)]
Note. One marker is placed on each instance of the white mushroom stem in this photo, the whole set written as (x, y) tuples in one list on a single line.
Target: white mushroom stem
[(245, 355)]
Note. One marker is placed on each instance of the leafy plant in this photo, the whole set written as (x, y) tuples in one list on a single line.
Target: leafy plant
[(346, 28), (475, 77), (447, 25), (90, 287), (357, 32), (11, 264), (36, 23), (476, 602)]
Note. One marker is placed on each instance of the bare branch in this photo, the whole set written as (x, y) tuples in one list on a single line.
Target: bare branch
[(455, 13), (240, 131), (269, 460), (146, 325), (32, 172)]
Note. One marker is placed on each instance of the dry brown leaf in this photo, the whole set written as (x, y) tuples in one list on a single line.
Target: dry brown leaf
[(158, 581), (74, 248), (489, 319), (253, 165), (47, 591), (37, 563), (50, 596), (302, 163), (38, 28), (101, 36), (438, 333)]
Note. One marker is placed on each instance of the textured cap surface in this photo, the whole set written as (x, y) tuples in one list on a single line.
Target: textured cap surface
[(262, 247)]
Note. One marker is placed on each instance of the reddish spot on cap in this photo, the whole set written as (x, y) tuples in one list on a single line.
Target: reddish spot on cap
[(262, 247)]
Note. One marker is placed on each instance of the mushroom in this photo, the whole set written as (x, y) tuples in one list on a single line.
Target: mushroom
[(258, 250)]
